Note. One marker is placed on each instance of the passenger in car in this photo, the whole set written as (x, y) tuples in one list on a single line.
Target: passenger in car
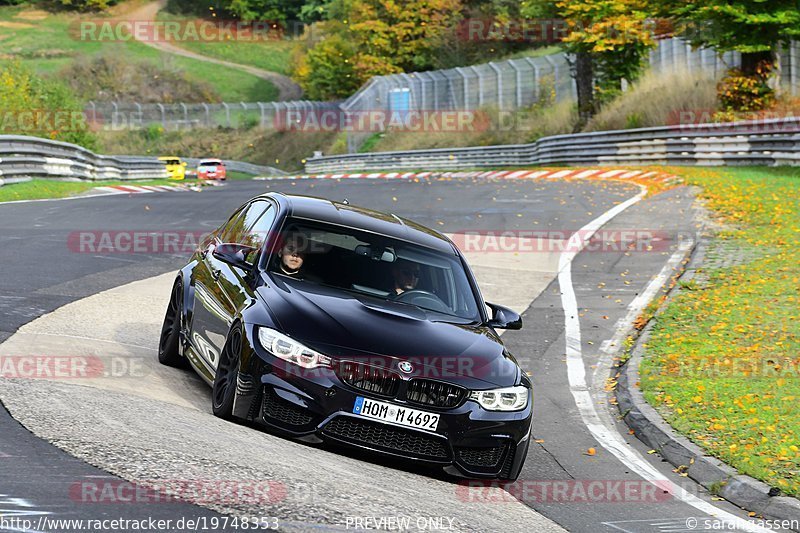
[(405, 275)]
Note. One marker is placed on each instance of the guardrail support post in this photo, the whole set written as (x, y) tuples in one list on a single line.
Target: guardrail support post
[(480, 85), (94, 111), (114, 113), (261, 114), (518, 73), (244, 112), (536, 77), (227, 113), (793, 53), (163, 115), (499, 75), (140, 118), (464, 87), (555, 76), (435, 91)]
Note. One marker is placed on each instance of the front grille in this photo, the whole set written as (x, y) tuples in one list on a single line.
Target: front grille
[(505, 472), (284, 412), (245, 384), (387, 438), (368, 378), (481, 457), (435, 393), (255, 405)]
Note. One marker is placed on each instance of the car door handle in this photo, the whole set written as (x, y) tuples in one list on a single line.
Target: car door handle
[(216, 274)]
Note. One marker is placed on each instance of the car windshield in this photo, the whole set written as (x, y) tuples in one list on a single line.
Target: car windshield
[(379, 267)]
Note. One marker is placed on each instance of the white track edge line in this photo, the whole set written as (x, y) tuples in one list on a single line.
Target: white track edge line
[(608, 437)]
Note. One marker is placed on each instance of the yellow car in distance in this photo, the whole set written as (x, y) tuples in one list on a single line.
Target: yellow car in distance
[(176, 169)]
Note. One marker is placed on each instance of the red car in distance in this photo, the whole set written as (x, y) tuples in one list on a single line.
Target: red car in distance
[(211, 169)]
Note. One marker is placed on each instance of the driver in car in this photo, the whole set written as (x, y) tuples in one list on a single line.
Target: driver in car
[(405, 275), (291, 257)]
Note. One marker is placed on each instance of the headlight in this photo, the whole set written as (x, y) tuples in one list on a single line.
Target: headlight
[(290, 350), (507, 399)]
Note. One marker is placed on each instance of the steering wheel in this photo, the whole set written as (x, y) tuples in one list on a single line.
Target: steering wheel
[(424, 299)]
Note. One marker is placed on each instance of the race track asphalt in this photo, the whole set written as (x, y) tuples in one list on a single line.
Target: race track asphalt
[(44, 272)]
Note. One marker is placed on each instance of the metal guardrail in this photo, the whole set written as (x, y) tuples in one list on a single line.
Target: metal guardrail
[(23, 157), (11, 181), (767, 142), (33, 157), (242, 166)]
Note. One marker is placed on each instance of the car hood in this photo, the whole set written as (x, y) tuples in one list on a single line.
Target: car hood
[(349, 326)]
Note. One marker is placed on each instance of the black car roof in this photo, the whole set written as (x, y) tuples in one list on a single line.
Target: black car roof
[(323, 210)]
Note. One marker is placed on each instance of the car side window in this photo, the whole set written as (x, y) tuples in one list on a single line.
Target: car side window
[(258, 232), (230, 227), (252, 227)]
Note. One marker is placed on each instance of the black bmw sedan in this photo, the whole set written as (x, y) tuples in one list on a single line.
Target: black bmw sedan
[(327, 322)]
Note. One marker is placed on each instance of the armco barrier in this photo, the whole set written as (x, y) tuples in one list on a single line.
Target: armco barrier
[(763, 142), (241, 166), (33, 157), (42, 158)]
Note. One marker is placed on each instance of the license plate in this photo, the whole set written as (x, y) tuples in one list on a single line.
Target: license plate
[(395, 414)]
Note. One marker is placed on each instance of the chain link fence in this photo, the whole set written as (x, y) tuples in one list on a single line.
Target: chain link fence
[(510, 84), (504, 85), (266, 115)]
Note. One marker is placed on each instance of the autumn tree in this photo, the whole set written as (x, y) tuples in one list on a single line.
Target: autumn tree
[(25, 94), (583, 66), (752, 27), (365, 38), (609, 39)]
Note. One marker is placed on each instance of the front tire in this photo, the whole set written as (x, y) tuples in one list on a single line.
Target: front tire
[(224, 388), (169, 352)]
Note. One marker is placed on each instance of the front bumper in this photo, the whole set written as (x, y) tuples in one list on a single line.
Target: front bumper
[(318, 406)]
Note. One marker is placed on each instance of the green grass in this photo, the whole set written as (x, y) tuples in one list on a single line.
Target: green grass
[(533, 52), (283, 150), (723, 360), (48, 45), (46, 188), (272, 55), (234, 175)]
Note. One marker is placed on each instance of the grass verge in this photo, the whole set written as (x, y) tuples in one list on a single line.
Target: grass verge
[(39, 189), (48, 44), (283, 150), (722, 364), (267, 54)]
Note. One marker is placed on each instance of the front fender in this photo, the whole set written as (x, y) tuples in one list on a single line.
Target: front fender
[(186, 275)]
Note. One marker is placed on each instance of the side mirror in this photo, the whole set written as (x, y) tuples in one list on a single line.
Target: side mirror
[(234, 254), (504, 318)]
